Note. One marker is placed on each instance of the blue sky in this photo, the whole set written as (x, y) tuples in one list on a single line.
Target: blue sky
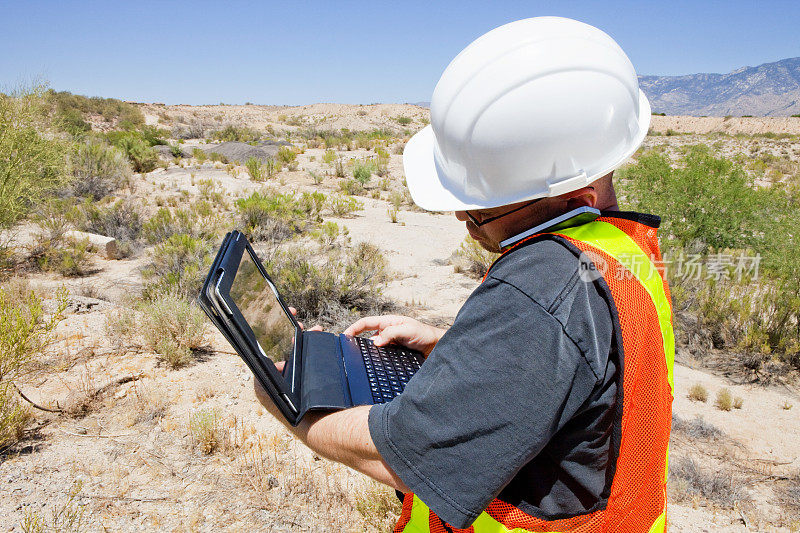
[(300, 52)]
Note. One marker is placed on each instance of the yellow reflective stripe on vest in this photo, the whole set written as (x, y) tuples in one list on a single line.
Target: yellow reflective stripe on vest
[(418, 523), (616, 243)]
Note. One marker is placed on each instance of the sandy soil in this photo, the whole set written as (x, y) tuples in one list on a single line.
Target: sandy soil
[(127, 453)]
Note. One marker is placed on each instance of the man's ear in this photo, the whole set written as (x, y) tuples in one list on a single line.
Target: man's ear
[(585, 197)]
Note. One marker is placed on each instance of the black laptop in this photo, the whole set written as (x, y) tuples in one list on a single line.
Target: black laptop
[(322, 371)]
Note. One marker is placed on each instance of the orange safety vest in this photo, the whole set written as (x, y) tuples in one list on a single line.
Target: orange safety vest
[(626, 254)]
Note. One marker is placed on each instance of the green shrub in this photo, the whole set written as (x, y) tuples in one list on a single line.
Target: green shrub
[(98, 169), (217, 157), (178, 267), (329, 156), (175, 150), (328, 232), (343, 206), (25, 331), (31, 165), (164, 224), (255, 168), (472, 258), (396, 199), (362, 171), (236, 133), (138, 150), (200, 155), (166, 324), (69, 258), (351, 187), (312, 204), (286, 155), (404, 121), (111, 110), (711, 208), (272, 216), (72, 122), (705, 201)]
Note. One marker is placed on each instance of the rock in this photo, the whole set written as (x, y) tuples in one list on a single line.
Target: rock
[(107, 245)]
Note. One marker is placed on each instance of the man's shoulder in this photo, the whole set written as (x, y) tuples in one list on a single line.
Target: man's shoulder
[(542, 269)]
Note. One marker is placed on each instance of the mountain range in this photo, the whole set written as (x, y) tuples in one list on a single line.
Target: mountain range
[(771, 89)]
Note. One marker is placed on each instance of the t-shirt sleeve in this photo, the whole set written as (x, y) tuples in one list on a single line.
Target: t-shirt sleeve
[(499, 384)]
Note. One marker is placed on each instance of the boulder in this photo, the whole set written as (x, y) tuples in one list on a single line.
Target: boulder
[(106, 245)]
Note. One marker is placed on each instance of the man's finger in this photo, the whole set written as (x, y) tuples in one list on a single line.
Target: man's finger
[(293, 310), (316, 328), (368, 323), (392, 334), (279, 365)]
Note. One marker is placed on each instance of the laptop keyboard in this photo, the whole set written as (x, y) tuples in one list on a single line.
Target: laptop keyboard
[(388, 368)]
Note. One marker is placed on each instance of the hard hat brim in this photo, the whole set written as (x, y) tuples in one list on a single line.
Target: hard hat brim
[(429, 189)]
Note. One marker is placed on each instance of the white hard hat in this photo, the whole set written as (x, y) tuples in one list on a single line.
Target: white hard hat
[(534, 108)]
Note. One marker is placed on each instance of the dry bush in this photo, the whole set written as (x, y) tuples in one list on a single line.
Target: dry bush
[(25, 331), (166, 324), (695, 429), (471, 258), (206, 430), (724, 400), (698, 393), (689, 480), (120, 220), (379, 506), (738, 402)]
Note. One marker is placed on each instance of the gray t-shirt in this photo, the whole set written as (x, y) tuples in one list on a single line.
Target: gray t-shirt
[(518, 400)]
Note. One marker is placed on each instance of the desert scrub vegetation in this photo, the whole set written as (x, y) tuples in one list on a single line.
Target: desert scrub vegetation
[(25, 331), (273, 216), (177, 267), (166, 324), (98, 169), (688, 480), (698, 393), (471, 258), (32, 162), (714, 214), (120, 220), (198, 221), (236, 133), (255, 169), (343, 206), (73, 109)]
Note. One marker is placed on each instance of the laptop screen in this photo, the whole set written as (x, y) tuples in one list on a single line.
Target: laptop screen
[(257, 299)]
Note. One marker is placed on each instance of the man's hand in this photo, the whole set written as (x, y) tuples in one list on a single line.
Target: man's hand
[(396, 329), (341, 436)]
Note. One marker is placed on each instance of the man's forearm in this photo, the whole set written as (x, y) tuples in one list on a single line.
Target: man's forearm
[(343, 436)]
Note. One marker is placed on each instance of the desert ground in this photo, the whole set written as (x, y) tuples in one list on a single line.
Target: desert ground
[(122, 451)]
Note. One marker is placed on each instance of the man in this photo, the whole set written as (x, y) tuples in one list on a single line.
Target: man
[(547, 405)]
